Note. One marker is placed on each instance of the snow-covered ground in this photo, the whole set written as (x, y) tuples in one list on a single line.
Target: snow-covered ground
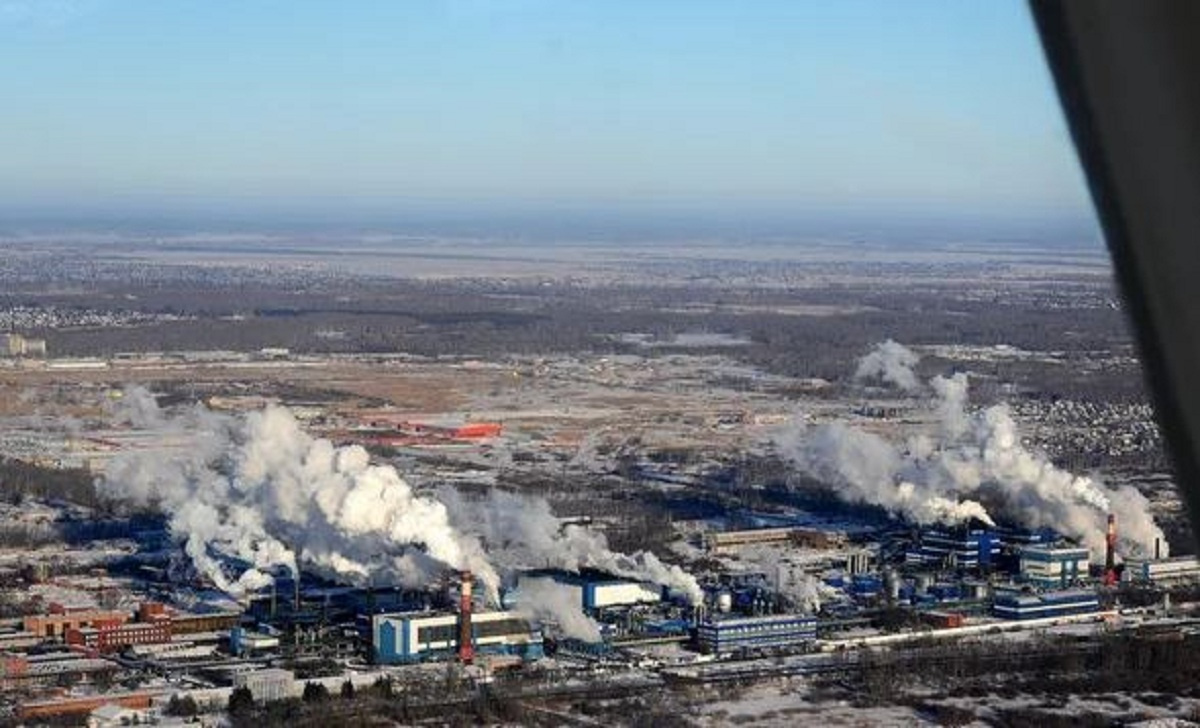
[(790, 703)]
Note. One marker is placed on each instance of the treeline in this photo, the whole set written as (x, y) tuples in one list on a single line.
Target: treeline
[(496, 319), (1160, 667), (20, 480), (449, 700)]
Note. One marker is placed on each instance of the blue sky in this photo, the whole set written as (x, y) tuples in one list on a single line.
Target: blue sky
[(881, 108)]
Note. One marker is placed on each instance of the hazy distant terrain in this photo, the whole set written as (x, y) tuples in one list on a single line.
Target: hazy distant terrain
[(801, 308)]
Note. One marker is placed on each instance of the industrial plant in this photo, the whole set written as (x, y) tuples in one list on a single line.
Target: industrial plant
[(190, 534)]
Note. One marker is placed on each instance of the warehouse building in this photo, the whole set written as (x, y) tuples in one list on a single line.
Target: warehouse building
[(1049, 567), (417, 636), (723, 636), (1040, 606)]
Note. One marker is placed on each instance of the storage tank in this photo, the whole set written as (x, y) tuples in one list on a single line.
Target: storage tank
[(724, 602)]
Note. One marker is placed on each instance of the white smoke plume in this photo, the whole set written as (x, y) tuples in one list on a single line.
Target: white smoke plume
[(891, 363), (804, 591), (259, 489), (522, 532), (552, 603), (974, 458)]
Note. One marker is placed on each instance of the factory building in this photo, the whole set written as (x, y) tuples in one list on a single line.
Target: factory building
[(955, 548), (1173, 570), (1040, 606), (111, 639), (723, 636), (596, 590), (417, 636), (60, 619), (1052, 567), (108, 631)]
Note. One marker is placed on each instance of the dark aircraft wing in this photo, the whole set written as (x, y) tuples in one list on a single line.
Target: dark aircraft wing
[(1128, 76)]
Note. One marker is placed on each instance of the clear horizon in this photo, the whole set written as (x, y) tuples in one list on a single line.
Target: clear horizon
[(784, 117)]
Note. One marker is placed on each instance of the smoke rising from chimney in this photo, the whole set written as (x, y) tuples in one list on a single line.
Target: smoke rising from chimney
[(975, 457), (259, 489)]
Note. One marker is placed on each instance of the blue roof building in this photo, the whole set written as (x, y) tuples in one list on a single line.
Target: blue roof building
[(1040, 606), (1054, 568), (955, 548), (722, 636)]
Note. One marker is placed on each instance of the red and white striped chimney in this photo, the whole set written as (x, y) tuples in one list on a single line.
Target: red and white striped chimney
[(1110, 552), (466, 641)]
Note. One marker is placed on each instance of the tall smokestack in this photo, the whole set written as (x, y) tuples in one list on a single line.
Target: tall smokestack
[(466, 643), (1110, 552), (1157, 549), (296, 593)]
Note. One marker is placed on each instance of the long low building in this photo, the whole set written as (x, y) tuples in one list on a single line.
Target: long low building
[(1163, 571), (37, 709), (722, 636), (22, 671), (725, 541), (191, 623), (1051, 604), (417, 636)]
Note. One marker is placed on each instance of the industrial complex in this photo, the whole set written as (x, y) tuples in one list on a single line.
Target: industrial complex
[(949, 580), (186, 532)]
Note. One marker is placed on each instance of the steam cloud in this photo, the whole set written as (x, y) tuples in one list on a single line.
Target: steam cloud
[(892, 363), (521, 532), (974, 458), (547, 600), (260, 490)]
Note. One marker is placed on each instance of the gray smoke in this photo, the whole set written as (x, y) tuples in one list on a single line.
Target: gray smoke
[(974, 457)]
